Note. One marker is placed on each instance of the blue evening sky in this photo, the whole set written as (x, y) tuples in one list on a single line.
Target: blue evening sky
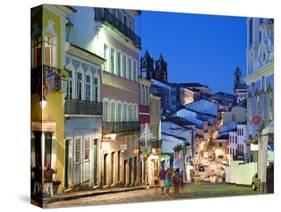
[(197, 48)]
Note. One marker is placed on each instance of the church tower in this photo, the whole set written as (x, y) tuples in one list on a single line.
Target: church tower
[(237, 77), (240, 88), (147, 69), (161, 70)]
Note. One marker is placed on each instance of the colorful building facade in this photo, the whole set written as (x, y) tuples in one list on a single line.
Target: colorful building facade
[(47, 99)]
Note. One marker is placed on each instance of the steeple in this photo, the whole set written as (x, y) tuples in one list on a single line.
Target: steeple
[(147, 69), (237, 77)]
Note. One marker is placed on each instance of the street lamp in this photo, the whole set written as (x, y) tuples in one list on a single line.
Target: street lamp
[(43, 102)]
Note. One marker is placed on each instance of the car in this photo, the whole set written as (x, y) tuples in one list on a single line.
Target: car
[(255, 182)]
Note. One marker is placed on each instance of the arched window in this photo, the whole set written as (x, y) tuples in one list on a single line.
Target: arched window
[(79, 86), (124, 66), (69, 86), (105, 111), (125, 113), (50, 44), (112, 114), (88, 87), (130, 112), (96, 85), (119, 111)]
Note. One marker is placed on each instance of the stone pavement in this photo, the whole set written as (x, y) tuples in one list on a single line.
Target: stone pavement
[(83, 194)]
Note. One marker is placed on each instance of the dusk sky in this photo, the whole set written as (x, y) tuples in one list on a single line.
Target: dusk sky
[(197, 48)]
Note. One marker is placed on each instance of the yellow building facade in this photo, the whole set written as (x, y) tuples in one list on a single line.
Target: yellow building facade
[(47, 97)]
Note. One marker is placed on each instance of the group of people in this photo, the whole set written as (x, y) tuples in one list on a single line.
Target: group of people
[(47, 181), (168, 179)]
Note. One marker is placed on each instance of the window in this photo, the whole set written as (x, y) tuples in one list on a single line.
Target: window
[(125, 113), (112, 61), (135, 70), (87, 148), (118, 63), (69, 86), (79, 86), (119, 112), (270, 109), (36, 52), (96, 88), (130, 112), (112, 111), (77, 153), (258, 104), (105, 111), (125, 20), (129, 68), (49, 50), (105, 55), (124, 66), (88, 88)]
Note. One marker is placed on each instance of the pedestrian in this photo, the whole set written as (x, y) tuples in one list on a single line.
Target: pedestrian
[(168, 181), (156, 183), (48, 180), (181, 181), (176, 181), (37, 172), (162, 176)]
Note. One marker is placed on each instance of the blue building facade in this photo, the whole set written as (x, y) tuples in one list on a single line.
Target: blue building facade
[(260, 73)]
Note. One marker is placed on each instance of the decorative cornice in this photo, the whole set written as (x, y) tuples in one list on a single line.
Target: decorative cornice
[(265, 70)]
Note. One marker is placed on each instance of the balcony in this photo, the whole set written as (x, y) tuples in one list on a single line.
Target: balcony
[(82, 107), (104, 15), (45, 79), (118, 127)]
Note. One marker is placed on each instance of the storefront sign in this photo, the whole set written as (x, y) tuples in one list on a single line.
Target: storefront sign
[(254, 147)]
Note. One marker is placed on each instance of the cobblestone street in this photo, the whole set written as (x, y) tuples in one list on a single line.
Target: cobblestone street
[(190, 191)]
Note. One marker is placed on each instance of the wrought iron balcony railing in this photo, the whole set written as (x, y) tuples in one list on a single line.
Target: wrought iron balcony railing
[(45, 79), (104, 15), (117, 127), (82, 107)]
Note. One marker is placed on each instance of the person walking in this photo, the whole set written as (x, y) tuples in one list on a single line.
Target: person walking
[(181, 181), (176, 181), (37, 172), (162, 176), (48, 179), (168, 181)]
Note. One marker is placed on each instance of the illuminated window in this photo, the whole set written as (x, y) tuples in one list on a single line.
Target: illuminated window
[(49, 50)]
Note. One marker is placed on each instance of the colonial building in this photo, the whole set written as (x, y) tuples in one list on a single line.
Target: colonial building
[(111, 35), (260, 73), (47, 97), (260, 81), (83, 118)]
